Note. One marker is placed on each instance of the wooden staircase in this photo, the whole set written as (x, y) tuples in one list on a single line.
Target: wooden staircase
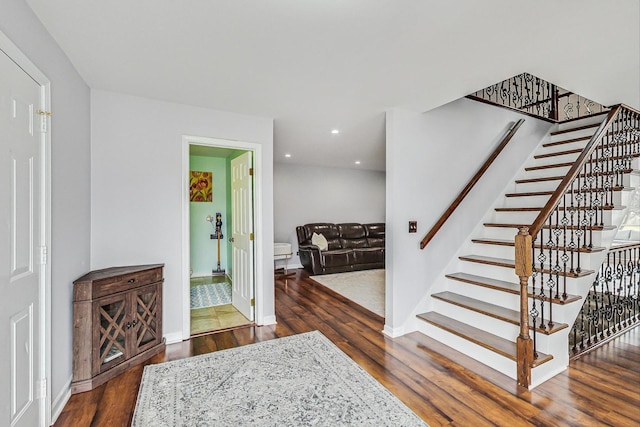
[(475, 308)]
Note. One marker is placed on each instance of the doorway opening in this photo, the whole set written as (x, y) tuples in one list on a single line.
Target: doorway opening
[(220, 237)]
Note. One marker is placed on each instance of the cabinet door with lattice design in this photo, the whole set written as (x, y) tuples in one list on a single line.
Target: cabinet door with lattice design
[(146, 317), (110, 331)]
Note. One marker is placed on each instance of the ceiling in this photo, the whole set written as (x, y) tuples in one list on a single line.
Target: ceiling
[(318, 65)]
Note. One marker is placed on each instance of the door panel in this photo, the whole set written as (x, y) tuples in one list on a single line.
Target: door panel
[(146, 318), (21, 362), (110, 331), (242, 233), (21, 273)]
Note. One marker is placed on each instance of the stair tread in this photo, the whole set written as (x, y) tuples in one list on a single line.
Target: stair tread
[(504, 286), (477, 336), (555, 165), (560, 177), (509, 263), (560, 132), (565, 164), (558, 153), (550, 192), (495, 311), (567, 141), (534, 209), (546, 178), (504, 242), (519, 226)]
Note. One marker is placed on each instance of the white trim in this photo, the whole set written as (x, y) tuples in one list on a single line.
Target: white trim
[(258, 178), (60, 401), (393, 332), (295, 266), (268, 320), (16, 55), (173, 337)]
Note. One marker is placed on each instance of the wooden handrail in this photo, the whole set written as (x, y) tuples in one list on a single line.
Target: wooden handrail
[(573, 172), (438, 225)]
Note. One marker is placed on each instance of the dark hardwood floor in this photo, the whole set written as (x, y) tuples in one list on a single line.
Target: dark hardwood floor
[(441, 385)]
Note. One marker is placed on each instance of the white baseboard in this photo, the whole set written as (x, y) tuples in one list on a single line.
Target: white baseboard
[(173, 337), (393, 332), (57, 405), (268, 320), (291, 266)]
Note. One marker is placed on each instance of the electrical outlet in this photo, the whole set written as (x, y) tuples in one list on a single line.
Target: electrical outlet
[(413, 226)]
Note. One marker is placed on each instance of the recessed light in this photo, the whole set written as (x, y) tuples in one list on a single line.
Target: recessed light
[(357, 162), (287, 155), (335, 131)]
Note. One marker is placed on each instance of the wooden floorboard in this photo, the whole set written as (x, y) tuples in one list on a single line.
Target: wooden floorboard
[(443, 386)]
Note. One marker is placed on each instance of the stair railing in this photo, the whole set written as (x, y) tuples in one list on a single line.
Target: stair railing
[(564, 228), (613, 303), (539, 98), (472, 182)]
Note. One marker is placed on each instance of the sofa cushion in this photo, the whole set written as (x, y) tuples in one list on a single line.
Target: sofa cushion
[(328, 230), (320, 241), (368, 255), (334, 244), (337, 258), (375, 242), (376, 229), (353, 243), (351, 231)]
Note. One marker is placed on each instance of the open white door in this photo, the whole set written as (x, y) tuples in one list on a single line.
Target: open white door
[(21, 243), (242, 234)]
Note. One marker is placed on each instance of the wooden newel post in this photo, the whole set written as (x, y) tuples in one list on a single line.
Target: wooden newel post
[(523, 271)]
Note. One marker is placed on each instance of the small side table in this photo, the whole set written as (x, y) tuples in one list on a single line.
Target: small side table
[(282, 251)]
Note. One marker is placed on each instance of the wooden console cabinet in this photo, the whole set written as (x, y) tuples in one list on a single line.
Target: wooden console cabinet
[(117, 322)]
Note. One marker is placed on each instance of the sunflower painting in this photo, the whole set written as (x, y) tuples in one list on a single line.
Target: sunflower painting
[(201, 187)]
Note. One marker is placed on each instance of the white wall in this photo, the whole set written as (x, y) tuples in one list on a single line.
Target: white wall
[(430, 158), (70, 178), (136, 180), (305, 194)]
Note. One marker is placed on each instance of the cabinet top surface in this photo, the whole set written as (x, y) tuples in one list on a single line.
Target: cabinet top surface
[(115, 271)]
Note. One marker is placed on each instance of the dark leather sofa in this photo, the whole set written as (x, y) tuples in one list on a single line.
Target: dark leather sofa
[(351, 247)]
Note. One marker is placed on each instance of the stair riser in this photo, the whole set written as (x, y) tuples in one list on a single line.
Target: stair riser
[(524, 201), (497, 251), (495, 326), (528, 217), (562, 313), (528, 201), (504, 299), (496, 361), (509, 233), (504, 273), (553, 160), (582, 122), (543, 173), (565, 146), (552, 185)]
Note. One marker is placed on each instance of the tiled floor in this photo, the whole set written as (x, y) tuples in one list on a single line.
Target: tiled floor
[(210, 319)]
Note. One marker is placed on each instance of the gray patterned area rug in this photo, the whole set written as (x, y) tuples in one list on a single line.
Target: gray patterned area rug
[(300, 380), (210, 295)]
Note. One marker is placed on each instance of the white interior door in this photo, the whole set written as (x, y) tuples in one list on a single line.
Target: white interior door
[(21, 270), (242, 234)]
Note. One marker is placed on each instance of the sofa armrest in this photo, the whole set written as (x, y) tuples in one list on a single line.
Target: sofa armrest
[(310, 258)]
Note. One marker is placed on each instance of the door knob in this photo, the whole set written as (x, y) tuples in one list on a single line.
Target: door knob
[(231, 239)]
